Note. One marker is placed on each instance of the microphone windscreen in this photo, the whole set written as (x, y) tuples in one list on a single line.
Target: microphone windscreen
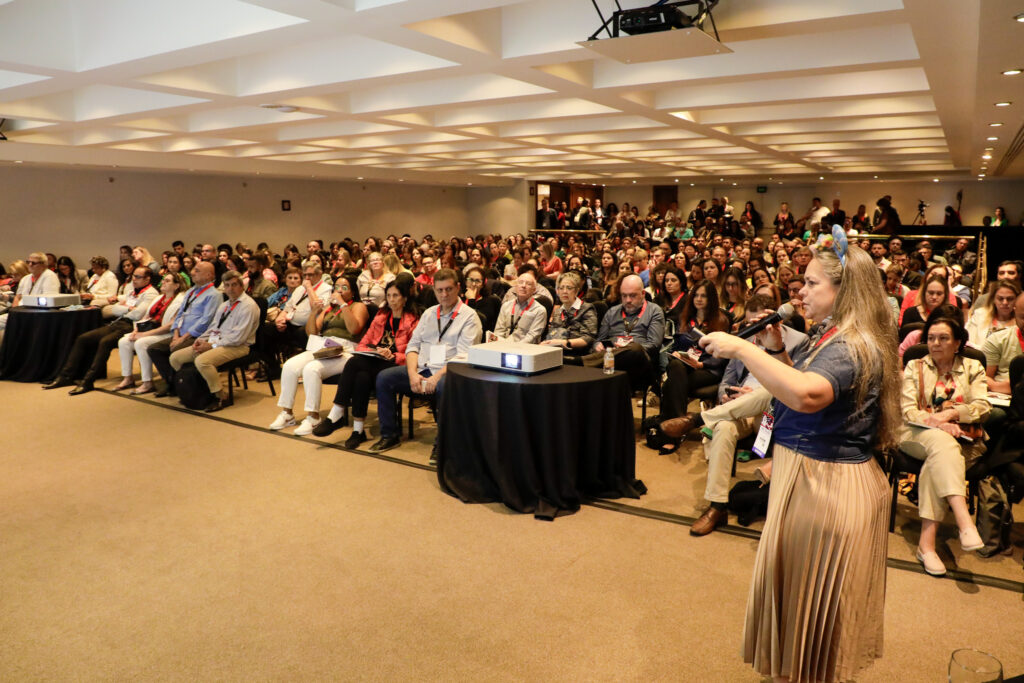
[(786, 311)]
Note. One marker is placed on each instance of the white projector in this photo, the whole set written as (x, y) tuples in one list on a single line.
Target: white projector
[(515, 357), (51, 300)]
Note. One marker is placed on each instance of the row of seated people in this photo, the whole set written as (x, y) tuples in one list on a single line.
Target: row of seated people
[(634, 327)]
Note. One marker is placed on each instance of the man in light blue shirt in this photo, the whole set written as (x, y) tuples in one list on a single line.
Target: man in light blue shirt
[(444, 330)]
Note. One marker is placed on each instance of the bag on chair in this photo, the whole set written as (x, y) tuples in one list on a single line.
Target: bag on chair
[(191, 388)]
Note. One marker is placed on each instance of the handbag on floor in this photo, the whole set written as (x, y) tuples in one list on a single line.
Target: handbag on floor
[(191, 388)]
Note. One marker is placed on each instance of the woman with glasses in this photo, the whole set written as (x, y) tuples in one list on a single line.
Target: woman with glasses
[(573, 324), (340, 324)]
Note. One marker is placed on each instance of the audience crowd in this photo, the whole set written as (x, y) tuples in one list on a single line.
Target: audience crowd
[(385, 317)]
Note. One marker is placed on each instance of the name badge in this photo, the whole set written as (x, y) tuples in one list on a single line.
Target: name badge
[(215, 338), (438, 354), (764, 435), (624, 340)]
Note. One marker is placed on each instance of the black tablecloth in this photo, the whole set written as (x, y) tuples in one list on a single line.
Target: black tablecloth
[(37, 341), (537, 444)]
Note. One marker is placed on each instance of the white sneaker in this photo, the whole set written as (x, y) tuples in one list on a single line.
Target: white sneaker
[(971, 539), (305, 428), (284, 419)]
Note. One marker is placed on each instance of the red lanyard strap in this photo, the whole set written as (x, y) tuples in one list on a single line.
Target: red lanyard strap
[(195, 295), (225, 314), (455, 313)]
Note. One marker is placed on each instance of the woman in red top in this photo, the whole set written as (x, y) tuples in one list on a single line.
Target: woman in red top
[(551, 264), (381, 347)]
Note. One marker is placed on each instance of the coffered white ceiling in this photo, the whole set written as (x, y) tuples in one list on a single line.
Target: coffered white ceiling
[(425, 91)]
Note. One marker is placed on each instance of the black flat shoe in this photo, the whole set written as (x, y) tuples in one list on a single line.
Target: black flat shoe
[(328, 426), (164, 393), (218, 404), (386, 444), (355, 439), (58, 383), (83, 389)]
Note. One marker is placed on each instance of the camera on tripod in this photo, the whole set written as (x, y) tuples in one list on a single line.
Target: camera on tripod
[(922, 205)]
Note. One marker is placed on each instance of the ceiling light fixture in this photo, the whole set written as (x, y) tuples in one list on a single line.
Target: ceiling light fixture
[(1012, 72), (283, 108), (935, 180), (1003, 104), (1020, 17), (994, 125), (359, 178), (692, 184), (986, 156), (992, 138)]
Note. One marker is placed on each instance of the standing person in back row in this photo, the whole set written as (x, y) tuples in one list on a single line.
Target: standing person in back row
[(816, 606)]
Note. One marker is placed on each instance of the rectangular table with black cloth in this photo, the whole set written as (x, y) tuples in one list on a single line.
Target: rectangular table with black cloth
[(538, 444), (37, 341)]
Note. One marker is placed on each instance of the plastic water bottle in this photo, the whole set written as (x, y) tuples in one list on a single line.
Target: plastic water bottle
[(609, 361)]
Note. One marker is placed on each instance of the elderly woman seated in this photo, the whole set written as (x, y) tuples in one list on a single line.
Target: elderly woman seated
[(573, 324), (343, 320), (944, 401)]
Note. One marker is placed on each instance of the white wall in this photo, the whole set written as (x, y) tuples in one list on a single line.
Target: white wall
[(504, 210), (980, 198), (80, 213)]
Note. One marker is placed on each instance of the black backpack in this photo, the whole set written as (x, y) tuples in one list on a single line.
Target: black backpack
[(191, 388)]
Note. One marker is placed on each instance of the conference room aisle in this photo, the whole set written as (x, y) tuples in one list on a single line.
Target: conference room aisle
[(143, 543)]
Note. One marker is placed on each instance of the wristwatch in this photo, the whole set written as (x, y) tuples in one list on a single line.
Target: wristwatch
[(777, 352)]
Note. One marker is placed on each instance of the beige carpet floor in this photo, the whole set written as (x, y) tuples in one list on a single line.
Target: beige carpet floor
[(141, 543)]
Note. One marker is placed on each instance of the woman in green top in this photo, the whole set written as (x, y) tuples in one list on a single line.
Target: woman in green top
[(339, 324)]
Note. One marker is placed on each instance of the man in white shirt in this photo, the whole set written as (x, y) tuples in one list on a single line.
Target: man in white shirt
[(40, 280), (443, 331), (812, 219), (523, 318), (229, 337)]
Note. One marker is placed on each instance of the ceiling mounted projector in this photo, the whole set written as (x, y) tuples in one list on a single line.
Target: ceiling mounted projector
[(657, 32)]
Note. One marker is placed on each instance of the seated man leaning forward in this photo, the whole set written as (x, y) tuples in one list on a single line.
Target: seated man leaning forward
[(725, 433), (444, 330), (522, 319), (229, 336), (633, 329)]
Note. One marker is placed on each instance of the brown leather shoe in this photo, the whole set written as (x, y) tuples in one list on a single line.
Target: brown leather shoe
[(679, 427), (706, 523)]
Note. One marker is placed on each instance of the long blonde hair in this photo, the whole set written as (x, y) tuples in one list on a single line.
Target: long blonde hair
[(863, 319)]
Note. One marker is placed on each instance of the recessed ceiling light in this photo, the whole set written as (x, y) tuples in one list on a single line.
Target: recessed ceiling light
[(734, 184), (994, 125), (359, 178), (401, 180), (1012, 72), (1003, 104), (935, 180), (876, 177), (19, 161), (469, 183), (1020, 17), (821, 177), (986, 156), (981, 175), (634, 182), (721, 180), (992, 138), (677, 180), (692, 184)]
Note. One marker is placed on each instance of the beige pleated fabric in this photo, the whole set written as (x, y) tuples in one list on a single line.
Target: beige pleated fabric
[(815, 610)]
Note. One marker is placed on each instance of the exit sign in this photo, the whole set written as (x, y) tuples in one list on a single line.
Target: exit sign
[(762, 189)]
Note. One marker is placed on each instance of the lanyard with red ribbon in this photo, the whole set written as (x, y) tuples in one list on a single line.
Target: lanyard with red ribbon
[(225, 314), (825, 337), (515, 320), (455, 313), (575, 308), (193, 296), (630, 325), (676, 301), (1020, 339)]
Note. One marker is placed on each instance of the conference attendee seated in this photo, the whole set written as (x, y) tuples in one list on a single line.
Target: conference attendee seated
[(154, 327), (721, 448), (541, 293), (40, 281), (334, 330), (373, 280), (944, 398), (444, 330), (194, 316), (228, 337), (97, 344), (995, 316), (523, 318), (102, 284), (256, 284), (573, 324), (633, 329), (1000, 348), (383, 346), (72, 279), (480, 297), (289, 327)]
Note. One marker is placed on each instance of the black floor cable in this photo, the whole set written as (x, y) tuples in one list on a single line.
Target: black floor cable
[(600, 503)]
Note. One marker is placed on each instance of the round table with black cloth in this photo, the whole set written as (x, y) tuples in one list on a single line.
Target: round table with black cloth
[(37, 341), (536, 443)]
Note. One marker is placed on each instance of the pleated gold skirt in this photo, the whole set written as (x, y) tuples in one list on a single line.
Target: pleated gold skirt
[(817, 599)]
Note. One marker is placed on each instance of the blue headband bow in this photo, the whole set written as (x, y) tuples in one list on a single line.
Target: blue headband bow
[(837, 242)]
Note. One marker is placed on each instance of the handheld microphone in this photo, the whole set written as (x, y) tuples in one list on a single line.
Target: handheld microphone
[(784, 313)]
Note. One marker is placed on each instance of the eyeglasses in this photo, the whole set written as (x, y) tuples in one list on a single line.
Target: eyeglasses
[(309, 274), (565, 288), (138, 277), (474, 280), (35, 263)]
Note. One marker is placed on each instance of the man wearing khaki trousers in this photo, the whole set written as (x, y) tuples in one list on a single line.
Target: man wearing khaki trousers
[(229, 336)]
